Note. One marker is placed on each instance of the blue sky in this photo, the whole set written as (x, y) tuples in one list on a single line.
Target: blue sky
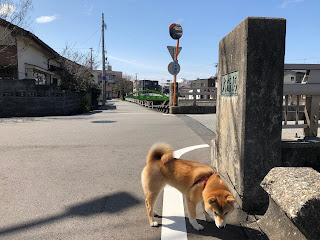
[(138, 31)]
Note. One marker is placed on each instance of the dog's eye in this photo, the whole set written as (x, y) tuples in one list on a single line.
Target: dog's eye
[(216, 213), (226, 213)]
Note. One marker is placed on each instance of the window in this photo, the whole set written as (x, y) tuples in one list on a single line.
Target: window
[(40, 78)]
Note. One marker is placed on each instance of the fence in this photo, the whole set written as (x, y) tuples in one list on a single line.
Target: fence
[(301, 101), (197, 95), (304, 98)]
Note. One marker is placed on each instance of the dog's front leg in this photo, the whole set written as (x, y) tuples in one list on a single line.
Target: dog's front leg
[(208, 218), (192, 215)]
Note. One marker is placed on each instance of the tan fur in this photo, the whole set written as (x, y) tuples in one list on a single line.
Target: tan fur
[(162, 168)]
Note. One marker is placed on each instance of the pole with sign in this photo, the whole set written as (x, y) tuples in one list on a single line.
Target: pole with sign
[(175, 31)]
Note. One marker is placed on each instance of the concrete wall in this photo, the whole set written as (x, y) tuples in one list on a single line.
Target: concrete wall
[(304, 153), (21, 98), (192, 109)]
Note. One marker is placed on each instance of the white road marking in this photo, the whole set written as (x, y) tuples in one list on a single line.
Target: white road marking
[(173, 218)]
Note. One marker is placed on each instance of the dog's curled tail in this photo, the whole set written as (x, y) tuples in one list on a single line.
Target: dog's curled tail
[(160, 151)]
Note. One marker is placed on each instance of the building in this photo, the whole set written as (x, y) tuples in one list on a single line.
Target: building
[(147, 85), (136, 85), (165, 87), (25, 56), (207, 82), (111, 77), (202, 83), (293, 76)]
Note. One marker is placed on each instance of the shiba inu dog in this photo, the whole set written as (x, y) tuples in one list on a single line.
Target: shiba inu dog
[(197, 182)]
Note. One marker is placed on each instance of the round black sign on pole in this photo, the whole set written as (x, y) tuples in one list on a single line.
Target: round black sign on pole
[(175, 31)]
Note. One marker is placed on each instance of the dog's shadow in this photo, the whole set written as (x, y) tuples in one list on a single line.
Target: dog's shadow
[(210, 229)]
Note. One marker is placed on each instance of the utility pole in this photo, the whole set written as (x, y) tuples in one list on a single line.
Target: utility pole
[(103, 65), (91, 59)]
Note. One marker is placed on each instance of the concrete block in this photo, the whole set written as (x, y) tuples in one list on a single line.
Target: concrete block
[(295, 195), (277, 226)]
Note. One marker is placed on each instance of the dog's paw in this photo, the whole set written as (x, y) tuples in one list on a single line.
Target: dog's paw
[(209, 219), (154, 224), (155, 214), (198, 227), (195, 224)]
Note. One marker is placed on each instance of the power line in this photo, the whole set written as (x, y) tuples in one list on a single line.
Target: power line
[(90, 37)]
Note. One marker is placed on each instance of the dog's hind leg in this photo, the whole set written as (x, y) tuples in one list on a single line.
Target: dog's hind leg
[(150, 201), (152, 185)]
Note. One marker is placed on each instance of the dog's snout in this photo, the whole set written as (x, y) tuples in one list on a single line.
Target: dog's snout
[(222, 227)]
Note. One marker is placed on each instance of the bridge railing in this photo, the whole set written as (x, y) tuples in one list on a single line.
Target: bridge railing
[(148, 95), (197, 95), (301, 100), (145, 103)]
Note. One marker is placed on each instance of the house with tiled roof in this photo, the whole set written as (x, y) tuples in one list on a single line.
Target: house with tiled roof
[(25, 56)]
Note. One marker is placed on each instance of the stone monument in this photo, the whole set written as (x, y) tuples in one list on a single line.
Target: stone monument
[(249, 107)]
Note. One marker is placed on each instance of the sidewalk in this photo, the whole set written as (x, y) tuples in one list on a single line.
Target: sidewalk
[(209, 121)]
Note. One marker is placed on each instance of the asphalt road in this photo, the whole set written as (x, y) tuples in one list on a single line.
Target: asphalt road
[(78, 177)]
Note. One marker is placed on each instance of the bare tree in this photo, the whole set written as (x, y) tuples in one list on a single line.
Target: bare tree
[(14, 12), (123, 85), (75, 69)]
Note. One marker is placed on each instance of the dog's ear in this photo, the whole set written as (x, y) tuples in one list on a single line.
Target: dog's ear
[(230, 199), (212, 200)]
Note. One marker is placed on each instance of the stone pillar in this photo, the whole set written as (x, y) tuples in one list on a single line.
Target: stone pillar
[(171, 94), (249, 107)]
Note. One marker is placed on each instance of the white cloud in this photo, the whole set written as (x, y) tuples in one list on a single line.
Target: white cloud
[(88, 10), (46, 19), (6, 10), (289, 2)]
